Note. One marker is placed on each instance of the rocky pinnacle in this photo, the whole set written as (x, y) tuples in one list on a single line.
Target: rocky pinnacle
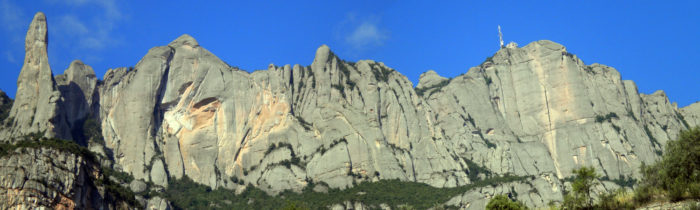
[(37, 98)]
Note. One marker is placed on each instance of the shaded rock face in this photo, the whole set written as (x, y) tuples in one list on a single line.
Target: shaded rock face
[(46, 178), (534, 111), (5, 107), (36, 107), (78, 87)]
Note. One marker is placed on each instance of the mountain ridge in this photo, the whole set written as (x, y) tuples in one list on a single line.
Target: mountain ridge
[(181, 111)]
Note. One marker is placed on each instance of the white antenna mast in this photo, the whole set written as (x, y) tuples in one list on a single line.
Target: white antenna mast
[(500, 35)]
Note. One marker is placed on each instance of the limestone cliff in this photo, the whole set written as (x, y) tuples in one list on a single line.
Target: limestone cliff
[(44, 177), (539, 110), (536, 111), (331, 122), (37, 102)]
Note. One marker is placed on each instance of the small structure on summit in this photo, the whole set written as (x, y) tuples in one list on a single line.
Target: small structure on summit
[(510, 45), (500, 35)]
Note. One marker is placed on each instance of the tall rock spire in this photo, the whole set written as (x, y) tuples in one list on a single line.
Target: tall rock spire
[(37, 99)]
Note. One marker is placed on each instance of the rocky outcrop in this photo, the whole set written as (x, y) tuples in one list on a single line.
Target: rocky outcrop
[(49, 178), (531, 111), (78, 87), (535, 192), (36, 108), (332, 122), (536, 111), (540, 110), (691, 114), (5, 107)]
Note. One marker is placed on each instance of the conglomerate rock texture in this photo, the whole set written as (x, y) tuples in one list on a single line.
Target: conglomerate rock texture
[(33, 178), (536, 111)]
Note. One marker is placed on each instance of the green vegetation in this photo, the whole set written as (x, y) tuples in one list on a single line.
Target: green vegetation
[(186, 194), (36, 141), (92, 130), (618, 199), (5, 108), (502, 202), (489, 59), (608, 117), (307, 126), (589, 69), (381, 74), (474, 170), (623, 182), (567, 54), (675, 177), (433, 88), (118, 191), (340, 89), (580, 197)]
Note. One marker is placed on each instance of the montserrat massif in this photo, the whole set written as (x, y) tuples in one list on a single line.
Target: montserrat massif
[(536, 112)]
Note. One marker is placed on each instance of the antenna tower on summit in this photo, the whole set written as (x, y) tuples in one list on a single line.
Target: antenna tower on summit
[(500, 35)]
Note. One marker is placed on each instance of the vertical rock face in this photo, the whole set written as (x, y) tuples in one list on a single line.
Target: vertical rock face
[(331, 122), (78, 86), (534, 111), (36, 107), (540, 110)]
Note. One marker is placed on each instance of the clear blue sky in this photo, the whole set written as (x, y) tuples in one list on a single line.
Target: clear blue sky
[(653, 43)]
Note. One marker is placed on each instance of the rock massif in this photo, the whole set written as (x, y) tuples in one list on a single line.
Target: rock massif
[(535, 111), (332, 122)]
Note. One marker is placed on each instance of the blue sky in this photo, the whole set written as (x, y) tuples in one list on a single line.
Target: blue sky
[(650, 42)]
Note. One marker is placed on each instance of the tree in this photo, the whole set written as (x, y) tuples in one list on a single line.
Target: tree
[(581, 198), (502, 202), (584, 182), (680, 164)]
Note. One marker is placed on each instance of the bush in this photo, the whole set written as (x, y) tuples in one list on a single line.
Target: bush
[(608, 117), (433, 88), (694, 190), (294, 206), (643, 194), (502, 202), (614, 200), (676, 190), (677, 175)]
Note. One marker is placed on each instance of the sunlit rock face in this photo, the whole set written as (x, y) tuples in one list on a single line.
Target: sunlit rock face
[(37, 101), (536, 111), (187, 112), (540, 110)]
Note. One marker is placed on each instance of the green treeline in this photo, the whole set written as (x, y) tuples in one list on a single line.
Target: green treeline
[(186, 194), (675, 177)]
